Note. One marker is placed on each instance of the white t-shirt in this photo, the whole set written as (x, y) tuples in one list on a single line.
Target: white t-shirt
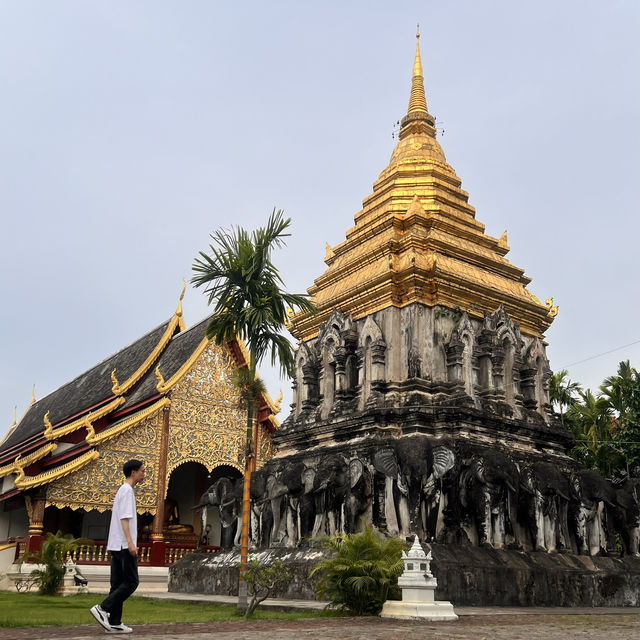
[(124, 506)]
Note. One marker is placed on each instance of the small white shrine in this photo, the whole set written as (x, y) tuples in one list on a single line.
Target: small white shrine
[(418, 586)]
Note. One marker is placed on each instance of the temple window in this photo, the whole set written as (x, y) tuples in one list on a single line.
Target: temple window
[(328, 378), (300, 390), (351, 370), (540, 394), (508, 371), (366, 371), (467, 369), (485, 372)]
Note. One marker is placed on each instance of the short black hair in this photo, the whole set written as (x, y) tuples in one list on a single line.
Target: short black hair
[(131, 465)]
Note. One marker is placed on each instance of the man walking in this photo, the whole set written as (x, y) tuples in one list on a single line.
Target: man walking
[(123, 537)]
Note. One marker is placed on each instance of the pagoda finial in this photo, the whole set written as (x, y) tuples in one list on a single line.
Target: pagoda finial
[(417, 101), (418, 118)]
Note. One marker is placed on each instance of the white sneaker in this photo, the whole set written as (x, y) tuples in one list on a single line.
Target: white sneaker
[(119, 628), (101, 616)]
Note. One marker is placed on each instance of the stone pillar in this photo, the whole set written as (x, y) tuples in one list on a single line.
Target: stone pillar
[(158, 544), (309, 387), (497, 367), (528, 386), (378, 349), (340, 357), (455, 352)]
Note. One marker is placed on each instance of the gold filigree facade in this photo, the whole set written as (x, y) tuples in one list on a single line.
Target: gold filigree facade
[(95, 485), (207, 424), (266, 450)]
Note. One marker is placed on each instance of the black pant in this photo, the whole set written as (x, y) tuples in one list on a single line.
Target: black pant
[(124, 581)]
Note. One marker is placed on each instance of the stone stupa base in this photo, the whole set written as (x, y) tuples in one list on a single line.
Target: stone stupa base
[(430, 611)]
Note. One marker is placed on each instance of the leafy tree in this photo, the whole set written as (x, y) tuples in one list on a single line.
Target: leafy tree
[(363, 573), (52, 557), (249, 301), (262, 580)]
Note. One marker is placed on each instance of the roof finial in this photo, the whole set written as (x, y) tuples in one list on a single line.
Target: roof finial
[(15, 416), (184, 288), (179, 308), (33, 393)]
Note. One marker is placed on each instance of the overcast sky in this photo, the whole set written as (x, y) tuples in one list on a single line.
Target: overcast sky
[(131, 130)]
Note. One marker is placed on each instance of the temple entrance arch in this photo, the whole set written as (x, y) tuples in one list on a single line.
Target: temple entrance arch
[(181, 522), (218, 530)]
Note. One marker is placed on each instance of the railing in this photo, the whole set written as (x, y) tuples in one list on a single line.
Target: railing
[(97, 553)]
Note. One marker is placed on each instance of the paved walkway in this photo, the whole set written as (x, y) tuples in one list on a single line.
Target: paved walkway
[(499, 625)]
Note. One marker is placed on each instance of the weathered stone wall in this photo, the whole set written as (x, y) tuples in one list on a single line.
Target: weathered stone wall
[(467, 576), (355, 364)]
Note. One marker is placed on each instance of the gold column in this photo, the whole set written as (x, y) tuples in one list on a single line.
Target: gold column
[(158, 520), (35, 505)]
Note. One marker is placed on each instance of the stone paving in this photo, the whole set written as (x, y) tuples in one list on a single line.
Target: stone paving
[(506, 626)]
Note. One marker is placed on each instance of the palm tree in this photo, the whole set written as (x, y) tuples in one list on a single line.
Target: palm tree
[(363, 572), (622, 394), (249, 303), (591, 422), (562, 392)]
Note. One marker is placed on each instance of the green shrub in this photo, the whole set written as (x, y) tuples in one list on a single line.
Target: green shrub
[(52, 557), (262, 580), (364, 572)]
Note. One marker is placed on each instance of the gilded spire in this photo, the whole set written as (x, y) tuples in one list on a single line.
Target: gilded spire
[(417, 111), (417, 101)]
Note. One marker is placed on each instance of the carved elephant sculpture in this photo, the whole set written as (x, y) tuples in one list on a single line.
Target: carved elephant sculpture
[(358, 501), (488, 492), (226, 495), (412, 491), (593, 501), (330, 489), (544, 503), (626, 514)]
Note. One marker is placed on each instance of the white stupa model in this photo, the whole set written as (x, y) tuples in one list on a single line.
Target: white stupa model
[(418, 586)]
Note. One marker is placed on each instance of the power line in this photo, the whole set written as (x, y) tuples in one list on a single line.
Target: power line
[(624, 346)]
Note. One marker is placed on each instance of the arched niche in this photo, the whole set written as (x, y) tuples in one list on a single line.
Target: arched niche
[(509, 360), (187, 482), (328, 382)]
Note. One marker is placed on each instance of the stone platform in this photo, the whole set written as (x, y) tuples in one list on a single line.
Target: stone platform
[(467, 576)]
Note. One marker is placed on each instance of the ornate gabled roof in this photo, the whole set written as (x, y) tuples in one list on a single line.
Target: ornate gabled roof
[(151, 367), (88, 392), (416, 240), (181, 350)]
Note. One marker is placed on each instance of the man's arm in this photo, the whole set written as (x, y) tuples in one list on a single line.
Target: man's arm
[(127, 534)]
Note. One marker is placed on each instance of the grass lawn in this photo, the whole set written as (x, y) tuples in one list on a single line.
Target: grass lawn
[(30, 609)]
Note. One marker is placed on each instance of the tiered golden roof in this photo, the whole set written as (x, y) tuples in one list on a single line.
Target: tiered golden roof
[(416, 240)]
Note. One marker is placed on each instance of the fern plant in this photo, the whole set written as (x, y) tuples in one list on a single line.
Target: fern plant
[(363, 573), (51, 557)]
